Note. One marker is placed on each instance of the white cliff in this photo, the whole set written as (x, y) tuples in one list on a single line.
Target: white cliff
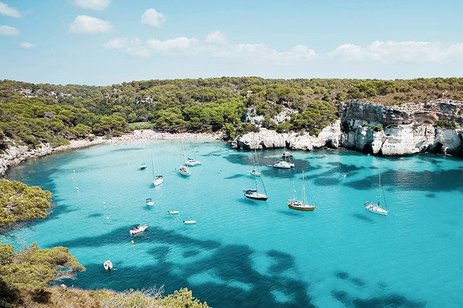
[(435, 126), (329, 136)]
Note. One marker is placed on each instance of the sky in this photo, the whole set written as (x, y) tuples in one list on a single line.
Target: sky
[(102, 42)]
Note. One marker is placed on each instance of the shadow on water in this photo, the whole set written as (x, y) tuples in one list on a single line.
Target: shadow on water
[(384, 300), (431, 181), (94, 215), (265, 163), (250, 202), (292, 213), (235, 176), (127, 149), (153, 234), (234, 282), (326, 181), (363, 217)]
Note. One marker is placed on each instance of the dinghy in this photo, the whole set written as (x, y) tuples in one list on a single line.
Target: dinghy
[(138, 229), (108, 265), (189, 222)]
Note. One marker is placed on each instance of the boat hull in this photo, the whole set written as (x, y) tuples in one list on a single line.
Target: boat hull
[(375, 209), (301, 207), (189, 222), (139, 229), (108, 265), (254, 195), (158, 180)]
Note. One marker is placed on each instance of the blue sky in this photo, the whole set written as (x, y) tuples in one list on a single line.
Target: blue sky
[(100, 42)]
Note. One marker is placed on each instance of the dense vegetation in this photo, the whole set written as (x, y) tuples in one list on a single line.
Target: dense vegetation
[(20, 202), (34, 113), (25, 275)]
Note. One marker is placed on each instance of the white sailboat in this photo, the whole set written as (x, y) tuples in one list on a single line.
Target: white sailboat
[(184, 170), (300, 205), (157, 179), (190, 162), (376, 208), (255, 171)]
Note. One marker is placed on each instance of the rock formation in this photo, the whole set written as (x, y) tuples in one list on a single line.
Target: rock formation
[(435, 126)]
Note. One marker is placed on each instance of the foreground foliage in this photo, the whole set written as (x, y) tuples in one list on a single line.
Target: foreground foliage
[(20, 202)]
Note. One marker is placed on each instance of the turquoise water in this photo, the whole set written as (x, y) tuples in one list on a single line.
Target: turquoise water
[(247, 253)]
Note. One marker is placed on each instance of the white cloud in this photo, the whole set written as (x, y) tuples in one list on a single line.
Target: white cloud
[(177, 45), (92, 4), (129, 46), (27, 45), (152, 18), (400, 51), (216, 37), (84, 24), (214, 45), (7, 30), (7, 10)]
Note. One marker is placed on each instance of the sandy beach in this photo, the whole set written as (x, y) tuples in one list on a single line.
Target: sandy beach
[(15, 155)]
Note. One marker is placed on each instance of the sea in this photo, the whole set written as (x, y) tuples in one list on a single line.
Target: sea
[(245, 253)]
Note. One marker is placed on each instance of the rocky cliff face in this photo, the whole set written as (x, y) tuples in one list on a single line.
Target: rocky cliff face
[(407, 129), (330, 136), (435, 126), (14, 155)]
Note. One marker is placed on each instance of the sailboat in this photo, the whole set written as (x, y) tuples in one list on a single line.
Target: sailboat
[(190, 162), (157, 179), (255, 171), (255, 194), (300, 205), (376, 207), (183, 169), (286, 154)]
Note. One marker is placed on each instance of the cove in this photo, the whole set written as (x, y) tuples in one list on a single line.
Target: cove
[(247, 253)]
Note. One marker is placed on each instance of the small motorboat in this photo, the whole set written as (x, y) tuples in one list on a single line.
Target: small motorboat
[(158, 180), (191, 162), (149, 202), (375, 208), (283, 165), (138, 229), (255, 172), (108, 265), (172, 212), (183, 170), (255, 195), (142, 166), (189, 222)]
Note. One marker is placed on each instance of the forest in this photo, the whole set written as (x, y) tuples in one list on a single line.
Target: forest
[(36, 113)]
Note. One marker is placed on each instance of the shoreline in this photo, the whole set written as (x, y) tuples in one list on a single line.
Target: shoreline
[(15, 155)]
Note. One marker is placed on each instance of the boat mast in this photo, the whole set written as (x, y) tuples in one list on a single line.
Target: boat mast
[(294, 191), (381, 194), (152, 165), (304, 197)]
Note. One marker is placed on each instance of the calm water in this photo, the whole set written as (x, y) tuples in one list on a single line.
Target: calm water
[(260, 254)]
